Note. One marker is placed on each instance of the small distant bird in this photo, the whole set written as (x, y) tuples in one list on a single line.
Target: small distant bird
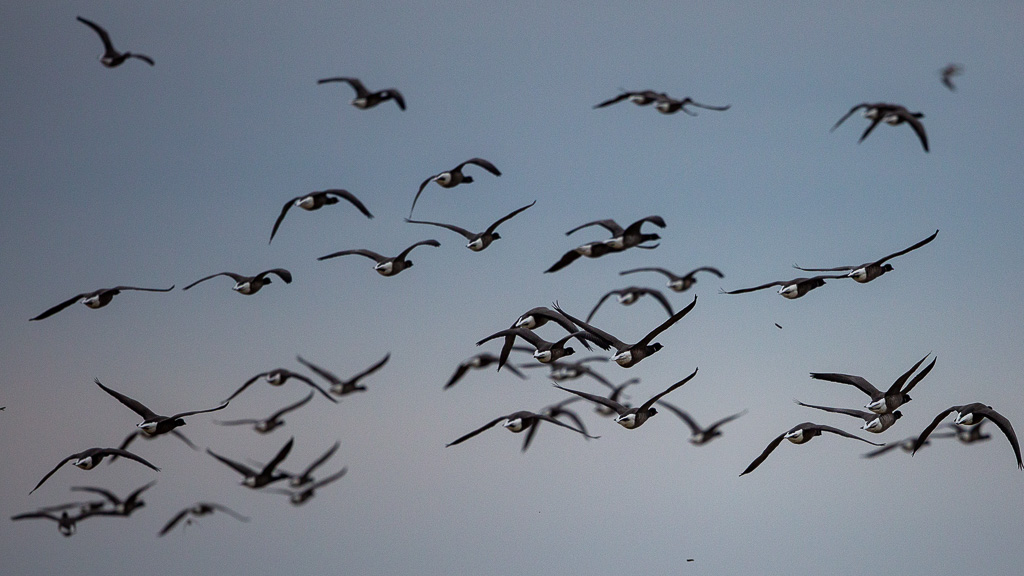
[(385, 266), (317, 200), (152, 423), (800, 434), (297, 497), (870, 270), (630, 295), (88, 459), (907, 445), (478, 361), (342, 387), (131, 438), (948, 72), (790, 289), (630, 418), (518, 422), (876, 423), (364, 98), (96, 299), (477, 240), (561, 370), (66, 523), (119, 507), (278, 377), (968, 434), (677, 283), (700, 436), (249, 284), (974, 413), (266, 475), (271, 422), (881, 402), (891, 114), (200, 509), (454, 177), (306, 476), (667, 105), (630, 354), (111, 58), (640, 98)]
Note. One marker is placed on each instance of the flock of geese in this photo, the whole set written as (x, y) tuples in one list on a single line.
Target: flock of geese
[(521, 337)]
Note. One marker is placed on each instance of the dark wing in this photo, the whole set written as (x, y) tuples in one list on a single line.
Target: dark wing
[(246, 385), (125, 454), (516, 371), (323, 373), (634, 228), (611, 404), (871, 127), (143, 57), (761, 287), (917, 126), (61, 306), (1007, 429), (663, 271), (235, 277), (277, 223), (316, 463), (566, 259), (618, 344), (880, 451), (601, 301), (420, 191), (328, 479), (708, 107), (361, 252), (690, 422), (664, 325), (314, 385), (614, 100), (475, 432), (836, 269), (466, 233), (227, 511), (924, 433), (136, 406), (108, 46), (849, 412), (191, 412), (486, 165), (898, 384), (290, 407), (725, 420), (459, 373), (555, 317), (768, 450), (847, 115), (647, 405), (864, 386), (914, 247), (351, 198), (562, 424), (394, 95), (174, 521), (404, 253), (105, 493), (52, 472), (710, 269), (238, 467), (356, 85), (493, 227), (610, 225), (847, 434), (659, 297), (372, 369), (118, 288), (281, 455), (281, 273), (241, 422)]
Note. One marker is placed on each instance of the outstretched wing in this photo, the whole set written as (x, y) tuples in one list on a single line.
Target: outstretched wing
[(914, 247), (351, 198), (647, 405), (136, 406)]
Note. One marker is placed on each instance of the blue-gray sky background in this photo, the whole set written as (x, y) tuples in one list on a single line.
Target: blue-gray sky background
[(158, 176)]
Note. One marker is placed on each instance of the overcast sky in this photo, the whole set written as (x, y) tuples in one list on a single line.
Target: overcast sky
[(158, 176)]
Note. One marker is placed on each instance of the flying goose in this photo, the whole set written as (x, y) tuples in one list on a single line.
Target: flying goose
[(278, 377), (974, 413), (640, 98), (870, 270), (270, 422), (630, 354), (630, 295), (249, 284), (317, 200), (881, 402), (628, 237), (630, 417), (477, 240), (454, 177), (481, 360), (66, 523), (668, 105), (364, 98), (119, 507), (152, 423), (876, 423), (200, 509), (297, 497), (88, 459), (891, 114), (677, 283), (111, 58), (517, 422), (306, 476), (545, 351), (95, 299), (699, 435), (800, 434), (266, 475), (790, 289), (342, 387), (385, 266)]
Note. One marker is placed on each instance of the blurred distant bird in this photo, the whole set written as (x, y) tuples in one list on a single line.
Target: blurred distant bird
[(907, 445), (881, 402), (630, 354), (948, 72), (974, 413), (88, 459), (385, 266), (477, 240), (454, 177), (700, 436), (561, 370), (640, 98), (790, 289), (870, 270), (677, 283), (876, 423), (800, 434), (306, 476), (297, 497), (277, 377), (131, 437), (111, 58), (545, 351), (66, 523), (266, 475), (518, 422), (630, 417), (968, 434), (119, 507), (630, 295), (317, 200), (891, 114), (481, 360), (200, 509), (364, 98), (152, 423), (271, 422), (96, 299), (342, 387), (249, 284), (668, 105)]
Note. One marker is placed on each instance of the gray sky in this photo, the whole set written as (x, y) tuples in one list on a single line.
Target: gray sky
[(158, 176)]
